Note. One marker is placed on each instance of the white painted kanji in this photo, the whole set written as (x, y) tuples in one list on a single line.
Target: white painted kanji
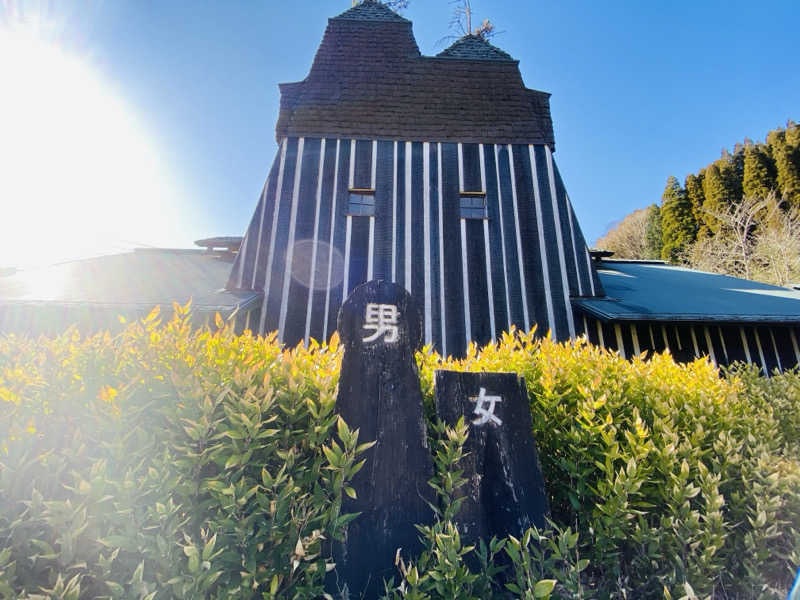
[(382, 318), (484, 408)]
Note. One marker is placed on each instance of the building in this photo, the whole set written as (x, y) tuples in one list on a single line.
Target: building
[(434, 172), (651, 306), (94, 293), (437, 172)]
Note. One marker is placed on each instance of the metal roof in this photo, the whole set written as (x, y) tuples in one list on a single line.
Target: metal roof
[(652, 291), (95, 290)]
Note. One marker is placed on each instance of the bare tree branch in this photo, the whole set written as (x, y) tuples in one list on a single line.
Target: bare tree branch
[(758, 239)]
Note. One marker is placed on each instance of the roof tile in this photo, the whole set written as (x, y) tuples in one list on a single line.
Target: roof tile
[(369, 79)]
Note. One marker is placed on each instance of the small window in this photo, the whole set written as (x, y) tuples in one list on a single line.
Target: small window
[(473, 205), (362, 202)]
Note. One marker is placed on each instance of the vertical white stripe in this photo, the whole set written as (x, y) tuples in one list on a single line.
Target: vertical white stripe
[(314, 242), (652, 337), (724, 347), (589, 266), (460, 168), (570, 218), (761, 352), (374, 175), (347, 239), (426, 244), (330, 241), (694, 342), (523, 284), (710, 346), (620, 343), (537, 198), (795, 346), (287, 273), (635, 337), (775, 348), (600, 334), (502, 236), (678, 337), (394, 214), (408, 217), (441, 249), (242, 258), (465, 281), (489, 285), (666, 339), (746, 346), (247, 320), (371, 254), (261, 223), (489, 288), (352, 176), (372, 179), (273, 233), (482, 158), (562, 261), (585, 328), (242, 255)]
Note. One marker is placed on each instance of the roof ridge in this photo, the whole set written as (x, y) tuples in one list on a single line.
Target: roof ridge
[(371, 10), (474, 47)]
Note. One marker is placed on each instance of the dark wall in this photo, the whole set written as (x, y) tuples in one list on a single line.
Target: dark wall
[(474, 278)]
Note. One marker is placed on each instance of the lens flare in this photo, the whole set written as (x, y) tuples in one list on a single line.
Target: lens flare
[(80, 176)]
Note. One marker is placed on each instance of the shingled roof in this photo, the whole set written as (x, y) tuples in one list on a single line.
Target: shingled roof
[(371, 10), (474, 47), (369, 80)]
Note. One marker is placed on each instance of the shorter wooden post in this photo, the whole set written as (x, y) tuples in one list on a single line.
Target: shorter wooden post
[(505, 491)]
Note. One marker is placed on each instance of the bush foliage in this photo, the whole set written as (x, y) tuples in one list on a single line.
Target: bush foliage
[(171, 463)]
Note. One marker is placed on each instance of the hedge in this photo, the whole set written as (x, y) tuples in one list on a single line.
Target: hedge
[(167, 462)]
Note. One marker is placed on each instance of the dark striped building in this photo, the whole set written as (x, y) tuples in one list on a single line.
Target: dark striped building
[(438, 173)]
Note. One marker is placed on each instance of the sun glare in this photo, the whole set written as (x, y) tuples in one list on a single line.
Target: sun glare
[(78, 176)]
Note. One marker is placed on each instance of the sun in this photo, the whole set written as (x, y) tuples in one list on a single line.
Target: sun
[(80, 176)]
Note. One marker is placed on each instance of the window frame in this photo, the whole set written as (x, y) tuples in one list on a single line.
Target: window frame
[(472, 205), (361, 202)]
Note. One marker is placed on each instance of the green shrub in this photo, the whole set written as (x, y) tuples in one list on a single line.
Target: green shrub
[(679, 481), (166, 463), (171, 463)]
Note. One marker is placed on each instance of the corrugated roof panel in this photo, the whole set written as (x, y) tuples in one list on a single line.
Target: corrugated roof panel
[(640, 291)]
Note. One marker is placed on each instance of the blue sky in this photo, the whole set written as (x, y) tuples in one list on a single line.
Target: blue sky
[(640, 91)]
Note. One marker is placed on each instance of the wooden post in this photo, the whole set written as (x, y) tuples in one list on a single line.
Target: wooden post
[(505, 491), (379, 393)]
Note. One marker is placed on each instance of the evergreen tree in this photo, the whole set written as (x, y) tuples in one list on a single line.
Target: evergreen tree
[(678, 227), (694, 191), (792, 134), (787, 164), (720, 189), (653, 234), (759, 180), (736, 172)]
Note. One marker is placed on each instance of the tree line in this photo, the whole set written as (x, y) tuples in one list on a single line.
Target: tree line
[(739, 215)]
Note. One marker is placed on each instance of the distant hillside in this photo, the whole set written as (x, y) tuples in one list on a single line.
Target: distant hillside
[(738, 215)]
